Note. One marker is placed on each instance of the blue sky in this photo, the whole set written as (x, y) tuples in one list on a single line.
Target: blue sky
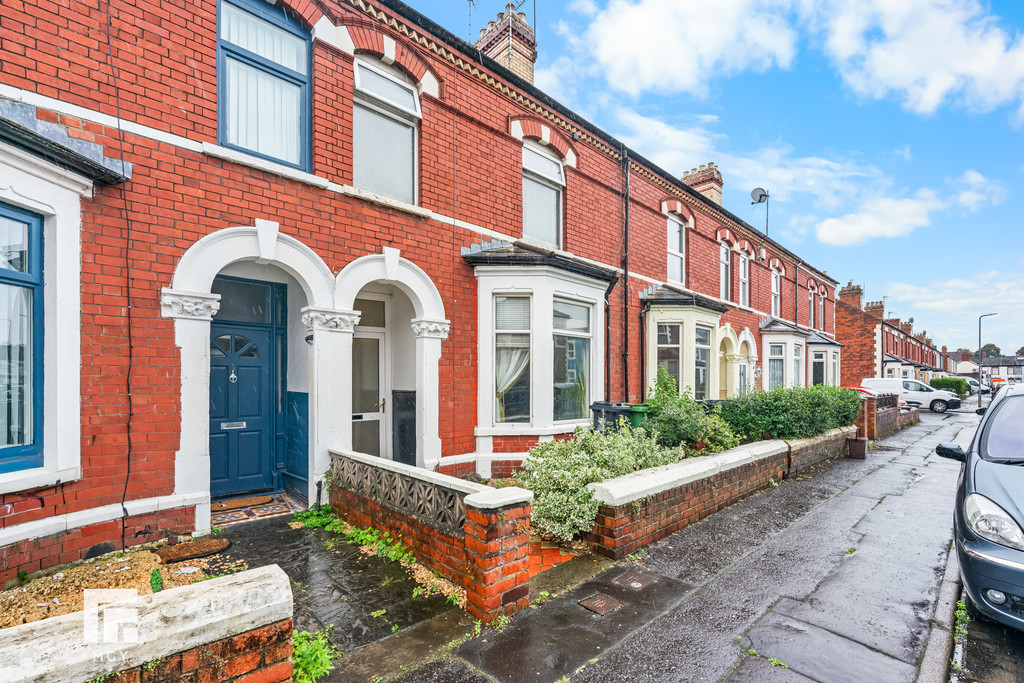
[(890, 133)]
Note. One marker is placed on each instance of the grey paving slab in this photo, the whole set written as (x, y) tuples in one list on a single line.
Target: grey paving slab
[(442, 671), (760, 670), (549, 643), (822, 655)]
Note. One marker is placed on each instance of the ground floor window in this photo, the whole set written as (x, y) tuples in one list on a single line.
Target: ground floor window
[(669, 352), (21, 315), (571, 381), (818, 368), (512, 358), (835, 369), (798, 366), (701, 363), (776, 369)]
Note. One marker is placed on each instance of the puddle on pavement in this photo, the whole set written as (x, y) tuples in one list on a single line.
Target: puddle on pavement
[(337, 585)]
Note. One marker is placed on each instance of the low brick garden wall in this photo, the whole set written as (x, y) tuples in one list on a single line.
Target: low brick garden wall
[(232, 628), (880, 417), (472, 534), (804, 453)]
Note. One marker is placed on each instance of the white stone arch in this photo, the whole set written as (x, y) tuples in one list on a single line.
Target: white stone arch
[(429, 326), (191, 304), (746, 337), (728, 356)]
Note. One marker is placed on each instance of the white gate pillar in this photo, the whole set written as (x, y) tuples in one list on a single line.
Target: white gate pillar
[(429, 335)]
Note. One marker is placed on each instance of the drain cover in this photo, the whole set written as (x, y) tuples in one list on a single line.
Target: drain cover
[(635, 580), (601, 604)]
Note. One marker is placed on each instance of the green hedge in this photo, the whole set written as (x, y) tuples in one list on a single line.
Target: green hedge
[(681, 421), (794, 413), (958, 385)]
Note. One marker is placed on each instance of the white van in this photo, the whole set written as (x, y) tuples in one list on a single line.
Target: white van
[(914, 392)]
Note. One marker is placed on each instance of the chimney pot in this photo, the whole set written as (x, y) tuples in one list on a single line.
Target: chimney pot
[(510, 41)]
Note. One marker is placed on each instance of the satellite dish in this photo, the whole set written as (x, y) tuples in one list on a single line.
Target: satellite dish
[(910, 320), (759, 195)]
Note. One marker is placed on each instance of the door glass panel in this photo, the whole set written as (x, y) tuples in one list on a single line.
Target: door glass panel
[(242, 301), (365, 375), (13, 245), (366, 437), (250, 352), (371, 312)]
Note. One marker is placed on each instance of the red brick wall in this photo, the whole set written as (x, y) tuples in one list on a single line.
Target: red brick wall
[(855, 329), (263, 655), (621, 530), (134, 234), (48, 551)]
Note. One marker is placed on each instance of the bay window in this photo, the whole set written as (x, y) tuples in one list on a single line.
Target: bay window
[(21, 331), (571, 381), (263, 69), (543, 180), (702, 359), (512, 358), (385, 117), (670, 355), (676, 250), (776, 367)]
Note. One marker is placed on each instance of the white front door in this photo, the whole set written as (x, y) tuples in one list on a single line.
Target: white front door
[(369, 396)]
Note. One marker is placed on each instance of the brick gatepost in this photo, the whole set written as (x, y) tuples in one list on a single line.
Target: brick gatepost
[(498, 552)]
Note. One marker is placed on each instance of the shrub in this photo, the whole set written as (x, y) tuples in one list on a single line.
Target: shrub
[(558, 473), (794, 413), (678, 420), (958, 385), (312, 654)]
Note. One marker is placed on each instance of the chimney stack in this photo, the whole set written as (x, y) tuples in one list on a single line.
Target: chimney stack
[(510, 42), (851, 294), (907, 328), (875, 309), (895, 322), (707, 180)]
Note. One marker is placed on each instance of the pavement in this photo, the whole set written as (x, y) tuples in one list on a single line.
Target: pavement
[(840, 576)]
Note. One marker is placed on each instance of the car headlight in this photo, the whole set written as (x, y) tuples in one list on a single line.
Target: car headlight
[(991, 522)]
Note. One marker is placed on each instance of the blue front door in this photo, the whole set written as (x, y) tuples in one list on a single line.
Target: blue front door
[(242, 423)]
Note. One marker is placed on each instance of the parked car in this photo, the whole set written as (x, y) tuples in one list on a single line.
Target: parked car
[(871, 393), (975, 387), (988, 516), (914, 393)]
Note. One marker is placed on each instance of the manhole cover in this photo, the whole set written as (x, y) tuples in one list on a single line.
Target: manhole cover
[(635, 580), (601, 604)]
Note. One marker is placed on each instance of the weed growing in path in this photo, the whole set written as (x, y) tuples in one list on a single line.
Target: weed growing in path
[(962, 619), (312, 655)]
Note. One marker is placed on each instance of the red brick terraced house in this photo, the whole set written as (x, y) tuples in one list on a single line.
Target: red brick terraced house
[(875, 346), (238, 234)]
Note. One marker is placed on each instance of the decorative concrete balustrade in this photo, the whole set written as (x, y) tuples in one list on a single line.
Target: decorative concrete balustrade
[(472, 534)]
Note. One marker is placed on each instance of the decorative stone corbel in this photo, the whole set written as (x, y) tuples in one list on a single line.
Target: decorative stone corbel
[(436, 329), (330, 319), (175, 303)]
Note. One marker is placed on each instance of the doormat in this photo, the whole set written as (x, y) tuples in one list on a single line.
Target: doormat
[(237, 503), (278, 505), (192, 550)]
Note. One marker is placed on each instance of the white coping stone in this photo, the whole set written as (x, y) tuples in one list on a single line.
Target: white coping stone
[(499, 498), (167, 622), (797, 443), (435, 478), (640, 485)]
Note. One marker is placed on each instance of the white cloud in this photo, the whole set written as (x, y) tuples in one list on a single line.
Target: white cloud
[(975, 190), (903, 153), (587, 8), (949, 309), (925, 52), (671, 46), (880, 217)]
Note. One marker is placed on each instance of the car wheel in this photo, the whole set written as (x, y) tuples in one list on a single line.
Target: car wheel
[(939, 406)]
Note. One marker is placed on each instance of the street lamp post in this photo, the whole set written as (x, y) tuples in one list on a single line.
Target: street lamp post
[(986, 315)]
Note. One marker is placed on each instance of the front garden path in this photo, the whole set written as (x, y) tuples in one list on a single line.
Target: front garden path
[(838, 576)]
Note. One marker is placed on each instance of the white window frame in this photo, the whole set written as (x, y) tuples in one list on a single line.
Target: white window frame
[(55, 194), (677, 347), (543, 285), (708, 370), (810, 308), (528, 332), (776, 293), (589, 335), (375, 103), (821, 311), (798, 366), (779, 357), (556, 183), (744, 279), (673, 223), (725, 272)]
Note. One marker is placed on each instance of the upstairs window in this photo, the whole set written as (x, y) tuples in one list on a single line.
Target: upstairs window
[(725, 272), (543, 180), (776, 293), (21, 339), (810, 308), (263, 68), (821, 312), (385, 119), (676, 250), (744, 279)]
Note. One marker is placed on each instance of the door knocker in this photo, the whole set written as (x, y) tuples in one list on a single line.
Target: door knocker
[(232, 377)]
